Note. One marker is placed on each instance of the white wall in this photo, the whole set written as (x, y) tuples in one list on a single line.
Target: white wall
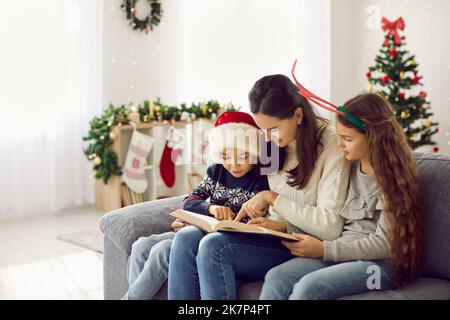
[(218, 49), (342, 72), (126, 60)]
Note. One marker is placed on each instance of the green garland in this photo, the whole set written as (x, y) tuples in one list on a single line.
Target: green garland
[(152, 20), (101, 137)]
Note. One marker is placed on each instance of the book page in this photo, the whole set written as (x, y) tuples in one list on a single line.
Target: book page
[(236, 225), (205, 223), (239, 226)]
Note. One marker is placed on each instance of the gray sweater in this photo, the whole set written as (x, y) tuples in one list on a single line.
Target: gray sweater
[(365, 227)]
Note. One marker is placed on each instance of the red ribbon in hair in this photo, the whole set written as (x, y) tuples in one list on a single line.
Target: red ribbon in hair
[(392, 28), (308, 95)]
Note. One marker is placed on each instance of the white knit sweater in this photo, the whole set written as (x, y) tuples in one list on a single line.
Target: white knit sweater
[(315, 209)]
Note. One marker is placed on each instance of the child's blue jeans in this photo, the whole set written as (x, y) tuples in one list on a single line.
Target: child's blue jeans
[(149, 265), (313, 279)]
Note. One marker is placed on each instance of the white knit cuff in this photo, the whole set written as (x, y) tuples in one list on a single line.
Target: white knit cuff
[(329, 252)]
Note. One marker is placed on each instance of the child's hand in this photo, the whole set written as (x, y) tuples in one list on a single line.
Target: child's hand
[(306, 247), (269, 224), (178, 224), (221, 213)]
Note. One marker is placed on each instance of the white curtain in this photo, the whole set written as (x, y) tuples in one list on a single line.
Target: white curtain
[(50, 87)]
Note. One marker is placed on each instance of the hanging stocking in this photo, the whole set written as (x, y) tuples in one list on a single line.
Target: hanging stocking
[(172, 150), (134, 175)]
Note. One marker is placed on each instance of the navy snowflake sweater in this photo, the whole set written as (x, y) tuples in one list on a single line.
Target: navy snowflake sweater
[(223, 189)]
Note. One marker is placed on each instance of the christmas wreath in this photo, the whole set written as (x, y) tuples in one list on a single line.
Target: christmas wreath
[(143, 15)]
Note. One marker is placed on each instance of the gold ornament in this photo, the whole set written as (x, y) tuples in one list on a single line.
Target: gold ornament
[(369, 87), (112, 136), (134, 109), (210, 110), (94, 174), (402, 75), (404, 115), (427, 124), (413, 62), (97, 160)]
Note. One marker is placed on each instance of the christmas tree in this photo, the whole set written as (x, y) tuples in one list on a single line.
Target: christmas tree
[(395, 76)]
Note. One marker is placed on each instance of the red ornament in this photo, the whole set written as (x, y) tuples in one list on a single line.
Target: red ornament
[(437, 130), (416, 79), (423, 94), (393, 52), (385, 79), (401, 95), (436, 149), (368, 75)]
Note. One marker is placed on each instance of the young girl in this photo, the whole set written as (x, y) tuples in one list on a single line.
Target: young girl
[(229, 183), (383, 214)]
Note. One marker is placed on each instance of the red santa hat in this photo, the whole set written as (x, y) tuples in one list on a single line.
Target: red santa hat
[(233, 130)]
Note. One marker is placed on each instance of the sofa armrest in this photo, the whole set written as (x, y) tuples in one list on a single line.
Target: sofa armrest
[(124, 226)]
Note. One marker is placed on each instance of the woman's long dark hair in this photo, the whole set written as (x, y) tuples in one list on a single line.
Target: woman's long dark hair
[(277, 96)]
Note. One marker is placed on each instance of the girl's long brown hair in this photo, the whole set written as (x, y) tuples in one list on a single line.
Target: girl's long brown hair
[(278, 97), (396, 173)]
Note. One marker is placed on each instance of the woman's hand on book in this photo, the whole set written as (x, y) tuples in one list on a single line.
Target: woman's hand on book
[(269, 224), (178, 224), (306, 247), (221, 213)]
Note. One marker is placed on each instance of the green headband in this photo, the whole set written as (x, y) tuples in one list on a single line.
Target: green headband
[(353, 119)]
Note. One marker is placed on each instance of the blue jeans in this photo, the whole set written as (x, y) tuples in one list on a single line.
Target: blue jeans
[(206, 265), (313, 279), (149, 263)]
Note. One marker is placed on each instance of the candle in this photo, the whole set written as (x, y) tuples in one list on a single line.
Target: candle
[(150, 110)]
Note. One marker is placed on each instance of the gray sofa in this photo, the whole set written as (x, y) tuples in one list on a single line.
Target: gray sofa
[(122, 227)]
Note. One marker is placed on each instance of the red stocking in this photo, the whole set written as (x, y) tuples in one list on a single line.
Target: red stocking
[(168, 158)]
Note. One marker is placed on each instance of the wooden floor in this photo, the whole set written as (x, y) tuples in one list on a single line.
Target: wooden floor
[(36, 265)]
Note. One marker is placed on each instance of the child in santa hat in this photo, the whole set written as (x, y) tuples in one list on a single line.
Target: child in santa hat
[(232, 180)]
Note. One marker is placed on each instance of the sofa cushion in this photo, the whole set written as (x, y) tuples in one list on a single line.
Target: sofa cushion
[(124, 226), (435, 181), (421, 289)]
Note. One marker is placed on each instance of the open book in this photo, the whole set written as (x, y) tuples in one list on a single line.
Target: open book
[(210, 224)]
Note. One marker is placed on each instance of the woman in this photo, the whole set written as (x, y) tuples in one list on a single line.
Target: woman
[(306, 195)]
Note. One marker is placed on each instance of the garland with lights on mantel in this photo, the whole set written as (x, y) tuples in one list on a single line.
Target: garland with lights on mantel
[(101, 136)]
